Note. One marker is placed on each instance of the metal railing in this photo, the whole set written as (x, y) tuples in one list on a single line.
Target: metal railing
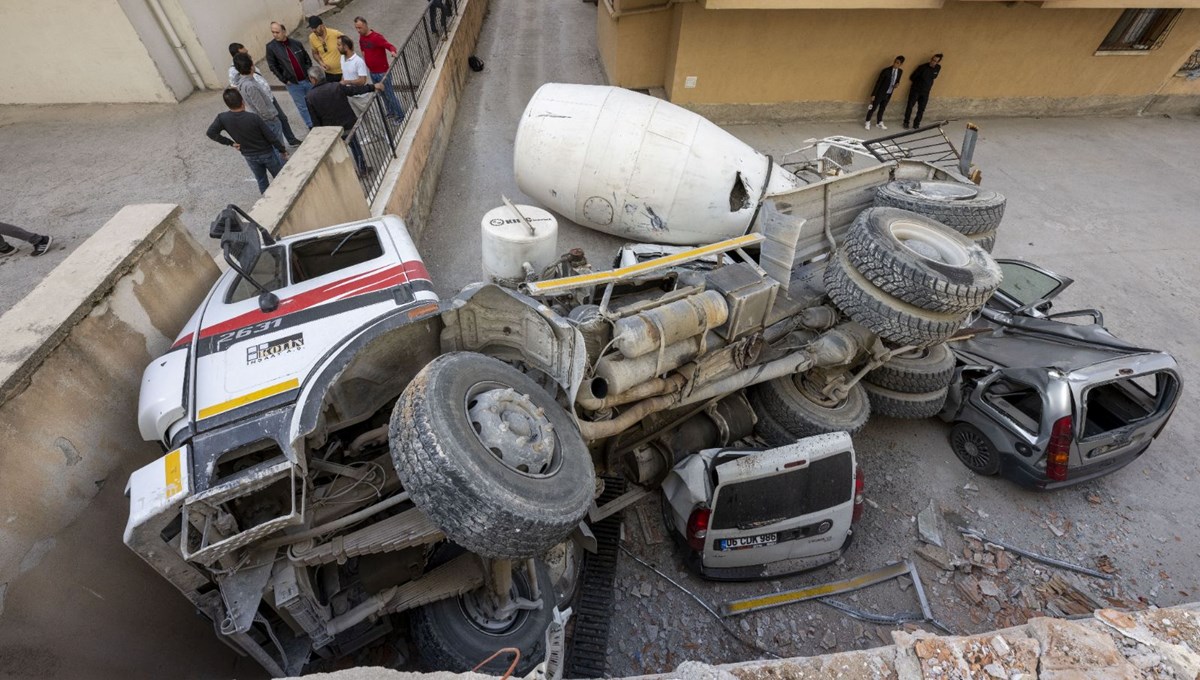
[(928, 144), (374, 138)]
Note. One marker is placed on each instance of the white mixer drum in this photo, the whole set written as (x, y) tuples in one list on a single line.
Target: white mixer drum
[(634, 166), (508, 242)]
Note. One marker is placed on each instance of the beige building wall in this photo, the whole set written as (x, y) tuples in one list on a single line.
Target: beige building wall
[(1001, 58), (637, 22), (121, 53)]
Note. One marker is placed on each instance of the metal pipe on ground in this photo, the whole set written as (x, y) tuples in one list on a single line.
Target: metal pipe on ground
[(594, 394)]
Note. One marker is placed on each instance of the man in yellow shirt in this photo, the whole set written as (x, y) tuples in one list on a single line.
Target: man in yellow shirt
[(323, 41)]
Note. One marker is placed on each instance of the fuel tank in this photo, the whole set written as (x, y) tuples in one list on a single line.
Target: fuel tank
[(637, 167)]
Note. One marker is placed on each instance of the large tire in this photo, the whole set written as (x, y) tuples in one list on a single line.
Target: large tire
[(453, 635), (974, 449), (916, 372), (919, 261), (946, 202), (895, 404), (772, 432), (986, 240), (507, 498), (786, 404), (893, 320)]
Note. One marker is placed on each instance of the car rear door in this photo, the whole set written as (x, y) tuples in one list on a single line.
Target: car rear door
[(789, 502), (1122, 405)]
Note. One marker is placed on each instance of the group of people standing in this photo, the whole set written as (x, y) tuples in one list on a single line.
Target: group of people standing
[(920, 84), (322, 82)]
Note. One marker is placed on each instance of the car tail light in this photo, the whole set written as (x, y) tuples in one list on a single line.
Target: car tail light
[(697, 527), (859, 494), (1058, 453)]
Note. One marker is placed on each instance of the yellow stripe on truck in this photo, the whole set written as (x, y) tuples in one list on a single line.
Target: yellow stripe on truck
[(174, 474), (265, 392)]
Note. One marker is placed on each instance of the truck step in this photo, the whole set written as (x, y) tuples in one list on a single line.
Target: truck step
[(587, 650), (405, 530)]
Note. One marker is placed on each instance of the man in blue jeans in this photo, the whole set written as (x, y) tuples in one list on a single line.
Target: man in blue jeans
[(289, 61), (262, 148)]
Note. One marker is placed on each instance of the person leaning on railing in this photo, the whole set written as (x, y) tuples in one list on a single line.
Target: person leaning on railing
[(329, 104), (375, 49)]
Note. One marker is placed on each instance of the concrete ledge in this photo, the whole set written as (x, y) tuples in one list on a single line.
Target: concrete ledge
[(411, 181), (73, 598), (317, 188)]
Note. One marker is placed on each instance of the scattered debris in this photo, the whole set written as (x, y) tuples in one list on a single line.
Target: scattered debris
[(1104, 563), (969, 587), (1065, 599), (970, 487), (989, 588), (1055, 530), (927, 526), (770, 600), (1093, 499), (971, 533), (939, 557)]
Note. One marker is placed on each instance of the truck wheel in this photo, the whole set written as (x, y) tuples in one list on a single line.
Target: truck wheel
[(974, 449), (964, 208), (919, 261), (770, 431), (893, 320), (986, 240), (497, 465), (457, 633), (800, 410), (895, 404), (921, 370)]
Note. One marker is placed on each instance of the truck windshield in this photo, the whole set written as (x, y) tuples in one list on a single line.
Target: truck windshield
[(825, 483)]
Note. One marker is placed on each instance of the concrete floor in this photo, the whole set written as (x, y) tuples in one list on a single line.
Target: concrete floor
[(1111, 202)]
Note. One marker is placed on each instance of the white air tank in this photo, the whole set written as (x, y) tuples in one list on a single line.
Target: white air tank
[(638, 167), (508, 242)]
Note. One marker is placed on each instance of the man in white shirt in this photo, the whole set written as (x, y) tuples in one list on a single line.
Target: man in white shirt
[(354, 69)]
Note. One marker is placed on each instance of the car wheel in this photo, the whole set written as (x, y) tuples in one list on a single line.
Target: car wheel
[(893, 320), (917, 371), (895, 404), (974, 449), (964, 208), (921, 262), (457, 633), (497, 465), (799, 409)]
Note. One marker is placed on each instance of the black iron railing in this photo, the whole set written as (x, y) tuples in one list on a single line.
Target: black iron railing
[(374, 138), (928, 144)]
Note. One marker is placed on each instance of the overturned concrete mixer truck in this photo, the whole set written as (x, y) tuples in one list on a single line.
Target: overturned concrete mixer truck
[(349, 458)]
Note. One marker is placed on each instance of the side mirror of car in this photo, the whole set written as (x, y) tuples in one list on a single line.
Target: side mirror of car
[(268, 302), (242, 245)]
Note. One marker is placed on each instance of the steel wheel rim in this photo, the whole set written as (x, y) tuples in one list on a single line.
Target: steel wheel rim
[(942, 191), (513, 429), (475, 609), (928, 242)]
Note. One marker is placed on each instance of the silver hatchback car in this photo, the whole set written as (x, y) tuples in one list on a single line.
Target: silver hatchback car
[(1048, 403)]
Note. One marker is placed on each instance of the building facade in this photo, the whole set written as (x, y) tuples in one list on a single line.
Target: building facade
[(753, 60), (114, 51)]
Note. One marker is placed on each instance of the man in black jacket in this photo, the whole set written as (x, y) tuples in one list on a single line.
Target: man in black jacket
[(918, 93), (881, 93), (329, 104), (262, 148), (289, 61)]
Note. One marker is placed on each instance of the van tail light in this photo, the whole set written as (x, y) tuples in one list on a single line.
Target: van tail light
[(859, 494), (1058, 453), (697, 527)]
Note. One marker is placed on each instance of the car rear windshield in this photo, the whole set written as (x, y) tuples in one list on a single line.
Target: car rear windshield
[(1119, 403), (824, 484)]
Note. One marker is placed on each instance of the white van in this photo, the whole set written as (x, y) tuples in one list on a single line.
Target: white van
[(751, 513)]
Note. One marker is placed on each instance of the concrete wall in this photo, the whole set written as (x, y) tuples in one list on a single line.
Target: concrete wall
[(317, 188), (74, 602), (646, 26), (119, 52), (1001, 58), (106, 60), (409, 185)]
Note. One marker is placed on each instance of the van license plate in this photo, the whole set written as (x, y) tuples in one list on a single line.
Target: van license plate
[(746, 542)]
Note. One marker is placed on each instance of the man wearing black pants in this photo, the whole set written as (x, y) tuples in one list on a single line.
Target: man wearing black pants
[(41, 243), (881, 94), (918, 93)]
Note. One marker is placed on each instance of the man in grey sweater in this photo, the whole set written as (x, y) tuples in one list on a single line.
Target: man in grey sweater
[(256, 94)]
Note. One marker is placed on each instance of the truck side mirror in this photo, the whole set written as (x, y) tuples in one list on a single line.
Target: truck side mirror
[(268, 302)]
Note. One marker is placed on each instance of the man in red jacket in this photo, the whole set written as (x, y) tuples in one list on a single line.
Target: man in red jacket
[(375, 48)]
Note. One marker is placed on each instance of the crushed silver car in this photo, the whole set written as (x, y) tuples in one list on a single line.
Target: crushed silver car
[(1049, 403)]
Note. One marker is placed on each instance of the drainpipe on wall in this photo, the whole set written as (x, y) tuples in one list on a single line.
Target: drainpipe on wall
[(617, 14), (164, 22)]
